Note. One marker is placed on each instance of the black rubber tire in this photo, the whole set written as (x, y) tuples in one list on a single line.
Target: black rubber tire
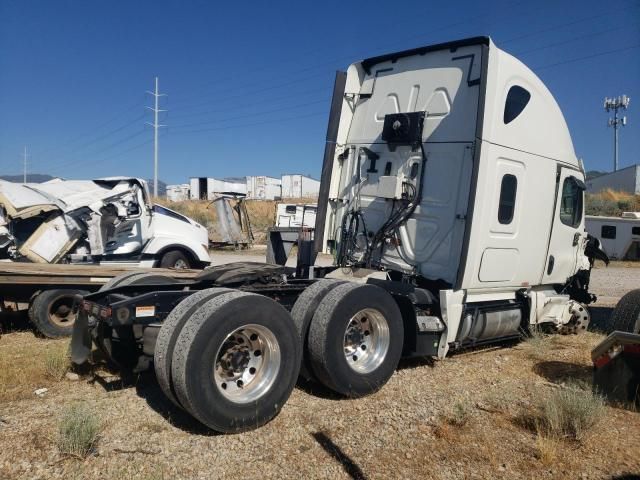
[(172, 257), (198, 343), (39, 312), (626, 315), (302, 313), (168, 335), (326, 339)]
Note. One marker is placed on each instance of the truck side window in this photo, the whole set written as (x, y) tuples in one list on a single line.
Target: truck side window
[(571, 203), (517, 99), (507, 203), (635, 230), (608, 231)]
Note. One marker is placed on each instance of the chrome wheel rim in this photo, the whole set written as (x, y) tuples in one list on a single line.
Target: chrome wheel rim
[(366, 340), (247, 363), (180, 264)]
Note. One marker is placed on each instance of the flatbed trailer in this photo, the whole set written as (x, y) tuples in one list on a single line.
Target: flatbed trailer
[(49, 289)]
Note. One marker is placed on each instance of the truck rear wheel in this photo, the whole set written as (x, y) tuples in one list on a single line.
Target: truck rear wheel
[(236, 361), (626, 315), (51, 312), (355, 339), (168, 335), (175, 259), (302, 313)]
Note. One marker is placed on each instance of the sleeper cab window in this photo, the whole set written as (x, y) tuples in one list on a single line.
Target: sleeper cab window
[(517, 99), (571, 202), (507, 203), (608, 231)]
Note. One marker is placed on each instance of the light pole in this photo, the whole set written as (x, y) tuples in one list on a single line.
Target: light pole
[(622, 102)]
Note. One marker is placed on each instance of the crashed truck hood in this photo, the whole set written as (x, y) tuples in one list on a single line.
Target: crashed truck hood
[(66, 195)]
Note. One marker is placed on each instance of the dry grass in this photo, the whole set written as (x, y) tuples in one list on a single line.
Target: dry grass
[(385, 435), (262, 213), (78, 430), (28, 363), (611, 203), (547, 450)]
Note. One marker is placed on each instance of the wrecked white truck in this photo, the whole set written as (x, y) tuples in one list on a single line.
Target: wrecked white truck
[(452, 200), (109, 221)]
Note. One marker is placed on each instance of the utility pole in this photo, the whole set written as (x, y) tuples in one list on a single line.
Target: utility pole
[(24, 165), (156, 94), (622, 102)]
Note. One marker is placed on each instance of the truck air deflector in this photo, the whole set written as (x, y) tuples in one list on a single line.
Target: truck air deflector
[(370, 62)]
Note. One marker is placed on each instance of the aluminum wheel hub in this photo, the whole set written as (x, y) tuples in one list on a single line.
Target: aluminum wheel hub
[(247, 363), (366, 340)]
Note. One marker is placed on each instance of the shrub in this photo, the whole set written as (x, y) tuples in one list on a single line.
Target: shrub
[(459, 415), (569, 413), (78, 430), (56, 362)]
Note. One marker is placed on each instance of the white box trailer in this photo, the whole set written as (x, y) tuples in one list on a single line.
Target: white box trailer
[(619, 236), (209, 188), (453, 203), (299, 186), (178, 193), (262, 187)]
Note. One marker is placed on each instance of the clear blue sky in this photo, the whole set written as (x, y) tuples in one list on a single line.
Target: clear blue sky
[(249, 83)]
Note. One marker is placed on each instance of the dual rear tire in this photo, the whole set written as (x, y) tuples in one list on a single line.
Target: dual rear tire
[(353, 340), (229, 358)]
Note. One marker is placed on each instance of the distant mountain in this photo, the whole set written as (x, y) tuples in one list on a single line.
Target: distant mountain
[(31, 178)]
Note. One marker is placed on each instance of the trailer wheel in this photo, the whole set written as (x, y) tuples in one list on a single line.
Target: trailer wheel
[(626, 314), (168, 335), (236, 361), (51, 311), (175, 259), (355, 339), (302, 313)]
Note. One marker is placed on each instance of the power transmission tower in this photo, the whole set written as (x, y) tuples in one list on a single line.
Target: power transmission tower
[(156, 94), (24, 165), (622, 102)]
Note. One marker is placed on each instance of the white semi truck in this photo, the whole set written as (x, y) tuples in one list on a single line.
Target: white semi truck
[(452, 200)]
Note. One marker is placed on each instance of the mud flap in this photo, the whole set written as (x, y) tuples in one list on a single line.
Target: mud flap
[(81, 338), (616, 373)]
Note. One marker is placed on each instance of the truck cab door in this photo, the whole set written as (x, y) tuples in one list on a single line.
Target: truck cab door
[(567, 229)]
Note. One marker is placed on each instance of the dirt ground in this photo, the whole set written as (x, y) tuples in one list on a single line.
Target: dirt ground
[(402, 431)]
